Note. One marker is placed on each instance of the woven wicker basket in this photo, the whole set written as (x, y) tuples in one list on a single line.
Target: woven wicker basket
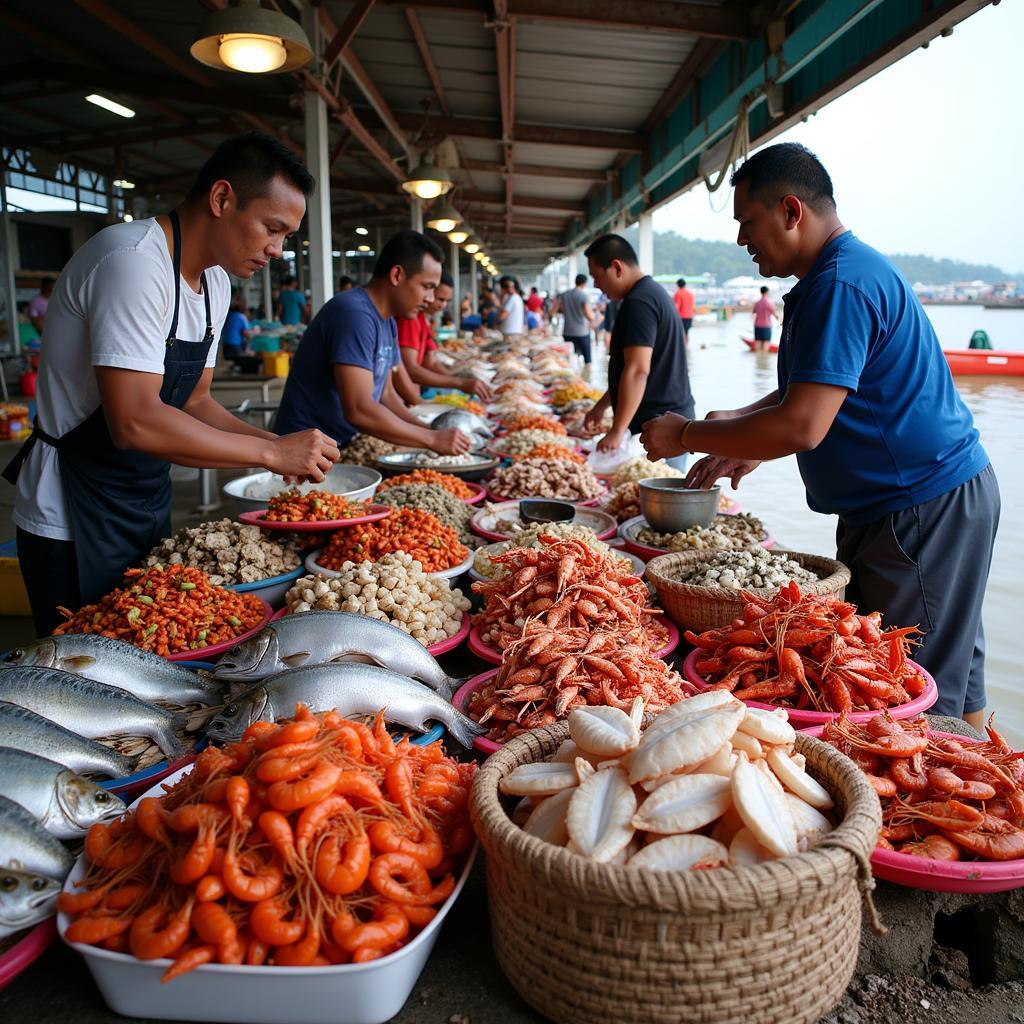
[(700, 608), (588, 943)]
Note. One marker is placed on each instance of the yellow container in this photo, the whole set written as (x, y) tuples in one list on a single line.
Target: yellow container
[(276, 364), (13, 597)]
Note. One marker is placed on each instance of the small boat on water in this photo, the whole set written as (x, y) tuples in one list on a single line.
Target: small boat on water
[(966, 362), (752, 345)]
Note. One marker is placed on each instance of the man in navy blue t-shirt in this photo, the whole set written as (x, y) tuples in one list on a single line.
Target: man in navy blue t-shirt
[(867, 404), (341, 373)]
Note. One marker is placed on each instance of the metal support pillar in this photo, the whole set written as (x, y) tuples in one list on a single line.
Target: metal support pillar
[(572, 268), (11, 341), (646, 253), (318, 162), (473, 281), (457, 287), (416, 214)]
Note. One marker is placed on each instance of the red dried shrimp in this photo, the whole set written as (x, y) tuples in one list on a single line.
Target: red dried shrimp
[(809, 652), (942, 798), (310, 842)]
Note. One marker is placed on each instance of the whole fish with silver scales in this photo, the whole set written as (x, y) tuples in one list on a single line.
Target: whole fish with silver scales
[(65, 803), (89, 708), (349, 689), (25, 730), (26, 899), (142, 673), (322, 637), (27, 846)]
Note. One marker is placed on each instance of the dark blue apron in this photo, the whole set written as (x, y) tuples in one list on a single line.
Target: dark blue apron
[(120, 501)]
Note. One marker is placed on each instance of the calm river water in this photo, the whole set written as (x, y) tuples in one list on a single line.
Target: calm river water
[(726, 375)]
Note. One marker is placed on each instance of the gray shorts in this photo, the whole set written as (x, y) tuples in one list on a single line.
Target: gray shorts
[(928, 566)]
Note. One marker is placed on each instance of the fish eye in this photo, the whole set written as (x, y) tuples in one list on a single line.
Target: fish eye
[(237, 649), (38, 884), (8, 883), (16, 653), (103, 797), (230, 710)]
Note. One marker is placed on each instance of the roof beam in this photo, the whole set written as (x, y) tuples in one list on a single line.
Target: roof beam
[(349, 27), (152, 131), (428, 62), (505, 48), (555, 135), (534, 170), (695, 19), (696, 64)]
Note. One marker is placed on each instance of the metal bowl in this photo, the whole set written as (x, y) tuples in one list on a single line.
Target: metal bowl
[(357, 483), (405, 461), (669, 506), (546, 510)]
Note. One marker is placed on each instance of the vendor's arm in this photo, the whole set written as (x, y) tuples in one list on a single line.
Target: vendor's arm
[(596, 412), (140, 421), (632, 386), (404, 384), (427, 376)]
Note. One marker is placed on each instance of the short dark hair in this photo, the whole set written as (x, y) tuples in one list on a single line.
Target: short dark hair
[(46, 282), (407, 250), (290, 279), (533, 290), (447, 279), (681, 283), (345, 282), (611, 247), (787, 169), (250, 162), (581, 279), (506, 279), (764, 289)]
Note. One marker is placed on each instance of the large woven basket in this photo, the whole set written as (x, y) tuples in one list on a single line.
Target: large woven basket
[(588, 943), (700, 608)]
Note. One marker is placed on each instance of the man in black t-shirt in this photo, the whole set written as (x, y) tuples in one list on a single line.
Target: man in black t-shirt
[(647, 373)]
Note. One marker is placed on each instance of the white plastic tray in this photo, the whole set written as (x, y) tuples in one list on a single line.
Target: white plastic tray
[(344, 994)]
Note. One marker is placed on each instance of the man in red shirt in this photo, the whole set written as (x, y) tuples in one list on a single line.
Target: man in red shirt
[(416, 346), (535, 304), (684, 301)]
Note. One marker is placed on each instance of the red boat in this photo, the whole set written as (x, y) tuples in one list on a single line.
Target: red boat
[(981, 362), (752, 345)]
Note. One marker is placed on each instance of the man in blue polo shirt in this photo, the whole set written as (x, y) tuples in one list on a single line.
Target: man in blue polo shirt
[(342, 370), (867, 404)]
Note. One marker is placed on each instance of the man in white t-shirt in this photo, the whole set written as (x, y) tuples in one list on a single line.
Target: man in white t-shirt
[(512, 317), (124, 378)]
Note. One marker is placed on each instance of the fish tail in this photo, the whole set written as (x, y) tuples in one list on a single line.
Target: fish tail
[(167, 740), (127, 763), (463, 728)]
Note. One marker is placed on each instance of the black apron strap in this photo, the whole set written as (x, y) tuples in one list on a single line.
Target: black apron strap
[(13, 468), (172, 334)]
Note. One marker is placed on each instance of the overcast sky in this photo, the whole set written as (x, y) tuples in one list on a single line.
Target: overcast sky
[(925, 157)]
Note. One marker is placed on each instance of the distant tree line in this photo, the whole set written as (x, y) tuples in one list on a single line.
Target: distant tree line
[(674, 254)]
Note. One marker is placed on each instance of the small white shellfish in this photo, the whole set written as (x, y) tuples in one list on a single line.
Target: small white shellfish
[(750, 745), (809, 822), (681, 853), (768, 726), (543, 778), (600, 813), (685, 804), (605, 731), (547, 822), (745, 849)]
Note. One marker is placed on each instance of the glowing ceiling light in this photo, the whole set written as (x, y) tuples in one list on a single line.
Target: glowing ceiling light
[(458, 236), (115, 108), (362, 231), (249, 38), (123, 183)]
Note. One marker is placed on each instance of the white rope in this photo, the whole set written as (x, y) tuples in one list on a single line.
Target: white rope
[(738, 147)]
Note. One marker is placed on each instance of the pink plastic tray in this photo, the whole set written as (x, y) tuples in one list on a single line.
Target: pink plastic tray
[(461, 701), (964, 876), (800, 718), (493, 655), (28, 950), (256, 518), (207, 653), (480, 493), (441, 647), (589, 503)]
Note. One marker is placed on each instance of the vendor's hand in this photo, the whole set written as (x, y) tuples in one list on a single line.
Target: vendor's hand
[(704, 473), (308, 454), (478, 388), (450, 442), (661, 436), (612, 441), (592, 421)]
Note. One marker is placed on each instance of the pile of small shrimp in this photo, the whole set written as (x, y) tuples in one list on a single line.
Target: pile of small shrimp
[(809, 652), (942, 798), (550, 671), (565, 584), (310, 842)]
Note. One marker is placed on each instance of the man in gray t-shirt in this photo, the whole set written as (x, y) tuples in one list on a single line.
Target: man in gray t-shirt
[(578, 317)]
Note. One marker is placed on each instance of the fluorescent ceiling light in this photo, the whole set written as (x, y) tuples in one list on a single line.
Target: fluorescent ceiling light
[(362, 231), (123, 183), (111, 105)]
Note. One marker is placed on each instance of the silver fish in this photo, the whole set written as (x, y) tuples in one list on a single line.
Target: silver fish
[(89, 708), (27, 846), (462, 419), (352, 690), (25, 899), (25, 730), (66, 804), (142, 673), (318, 637)]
